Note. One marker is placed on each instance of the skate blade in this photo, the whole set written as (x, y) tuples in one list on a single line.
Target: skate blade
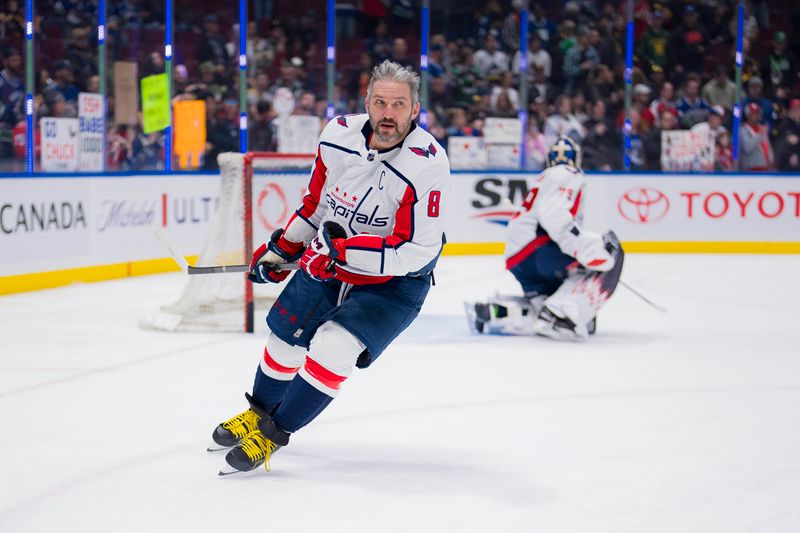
[(228, 470), (214, 447)]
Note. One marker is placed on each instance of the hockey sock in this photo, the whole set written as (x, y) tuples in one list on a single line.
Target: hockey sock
[(301, 404), (273, 378), (268, 392)]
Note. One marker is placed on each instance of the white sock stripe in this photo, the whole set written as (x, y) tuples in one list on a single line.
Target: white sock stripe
[(316, 383)]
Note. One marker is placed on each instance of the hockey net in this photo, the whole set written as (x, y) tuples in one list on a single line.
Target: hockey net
[(258, 193)]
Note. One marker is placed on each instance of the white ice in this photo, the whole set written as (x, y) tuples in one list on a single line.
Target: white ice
[(687, 421)]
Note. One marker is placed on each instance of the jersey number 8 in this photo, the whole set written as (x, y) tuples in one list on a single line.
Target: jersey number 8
[(433, 203)]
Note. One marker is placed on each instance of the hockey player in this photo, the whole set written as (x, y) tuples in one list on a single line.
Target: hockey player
[(566, 272), (367, 237)]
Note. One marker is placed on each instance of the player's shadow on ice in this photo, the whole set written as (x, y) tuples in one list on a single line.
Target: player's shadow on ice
[(444, 329), (394, 470)]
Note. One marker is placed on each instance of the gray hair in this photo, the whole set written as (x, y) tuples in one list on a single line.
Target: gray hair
[(391, 71)]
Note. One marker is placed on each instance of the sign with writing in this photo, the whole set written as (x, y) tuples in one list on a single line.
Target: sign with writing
[(155, 103), (688, 149), (59, 144), (92, 125), (126, 92)]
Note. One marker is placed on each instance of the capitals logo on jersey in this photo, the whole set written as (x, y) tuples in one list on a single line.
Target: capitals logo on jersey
[(424, 152), (347, 206)]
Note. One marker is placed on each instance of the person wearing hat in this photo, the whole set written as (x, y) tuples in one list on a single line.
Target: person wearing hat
[(755, 91), (642, 96), (779, 67), (688, 43), (787, 139), (755, 149), (655, 42), (212, 46)]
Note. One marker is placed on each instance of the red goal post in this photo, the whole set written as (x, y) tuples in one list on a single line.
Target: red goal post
[(253, 164)]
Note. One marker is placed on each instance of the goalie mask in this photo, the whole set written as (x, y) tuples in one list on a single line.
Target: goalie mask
[(564, 151)]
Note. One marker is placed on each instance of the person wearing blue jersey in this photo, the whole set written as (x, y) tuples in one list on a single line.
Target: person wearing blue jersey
[(367, 236)]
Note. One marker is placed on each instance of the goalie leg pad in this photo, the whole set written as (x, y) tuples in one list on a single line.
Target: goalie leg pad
[(577, 301), (504, 315)]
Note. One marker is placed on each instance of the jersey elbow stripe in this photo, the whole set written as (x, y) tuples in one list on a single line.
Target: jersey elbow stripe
[(576, 205), (365, 242), (315, 186)]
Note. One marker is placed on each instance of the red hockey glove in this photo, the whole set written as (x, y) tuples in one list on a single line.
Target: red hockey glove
[(325, 251), (278, 250)]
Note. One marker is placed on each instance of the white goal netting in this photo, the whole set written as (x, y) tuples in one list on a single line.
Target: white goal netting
[(263, 188)]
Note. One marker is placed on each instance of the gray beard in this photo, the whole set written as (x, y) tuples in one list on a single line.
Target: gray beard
[(388, 138)]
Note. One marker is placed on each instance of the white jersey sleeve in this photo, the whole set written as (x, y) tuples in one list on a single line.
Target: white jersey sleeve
[(306, 220), (553, 211)]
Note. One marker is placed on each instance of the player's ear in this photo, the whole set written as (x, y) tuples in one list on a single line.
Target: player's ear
[(366, 103), (415, 111)]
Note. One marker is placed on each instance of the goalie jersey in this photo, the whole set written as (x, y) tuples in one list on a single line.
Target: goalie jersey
[(389, 201), (553, 212)]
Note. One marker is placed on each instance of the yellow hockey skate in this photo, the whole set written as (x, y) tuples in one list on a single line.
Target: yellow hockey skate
[(231, 432)]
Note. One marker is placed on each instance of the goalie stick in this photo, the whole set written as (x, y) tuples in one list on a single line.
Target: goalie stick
[(640, 295), (162, 237)]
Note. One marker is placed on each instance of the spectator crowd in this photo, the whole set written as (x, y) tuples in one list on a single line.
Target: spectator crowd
[(682, 77)]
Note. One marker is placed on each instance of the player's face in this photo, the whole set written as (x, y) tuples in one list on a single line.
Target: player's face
[(390, 112)]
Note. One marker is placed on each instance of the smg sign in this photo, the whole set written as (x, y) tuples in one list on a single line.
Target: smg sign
[(490, 190)]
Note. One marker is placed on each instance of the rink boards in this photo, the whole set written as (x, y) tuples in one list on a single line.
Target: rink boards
[(55, 230)]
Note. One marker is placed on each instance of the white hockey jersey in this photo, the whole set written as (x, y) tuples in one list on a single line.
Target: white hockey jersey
[(390, 202), (553, 211)]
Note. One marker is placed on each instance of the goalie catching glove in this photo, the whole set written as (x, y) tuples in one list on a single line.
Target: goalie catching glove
[(325, 251), (277, 250)]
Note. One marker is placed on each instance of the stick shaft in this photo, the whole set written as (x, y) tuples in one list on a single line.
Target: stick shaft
[(640, 295), (226, 269), (162, 237)]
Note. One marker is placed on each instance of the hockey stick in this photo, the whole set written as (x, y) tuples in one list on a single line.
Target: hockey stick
[(640, 295), (223, 269), (161, 236)]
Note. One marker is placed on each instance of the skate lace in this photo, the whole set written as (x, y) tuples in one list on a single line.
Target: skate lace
[(242, 424), (257, 446)]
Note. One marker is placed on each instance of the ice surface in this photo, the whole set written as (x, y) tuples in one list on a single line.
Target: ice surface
[(681, 422)]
